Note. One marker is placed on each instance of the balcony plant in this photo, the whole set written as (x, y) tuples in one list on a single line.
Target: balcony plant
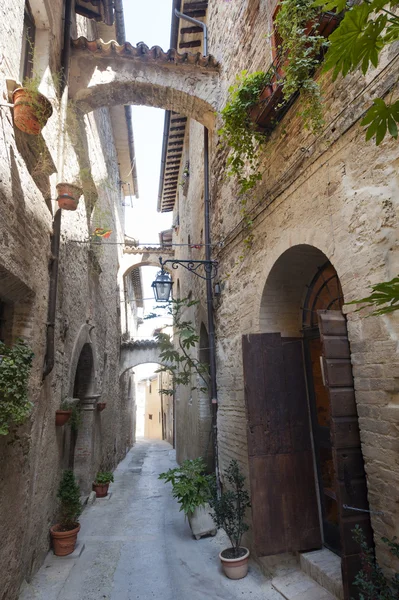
[(64, 533), (191, 487), (229, 509), (101, 483), (31, 109), (15, 367)]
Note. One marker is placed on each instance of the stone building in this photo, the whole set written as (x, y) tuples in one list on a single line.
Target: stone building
[(76, 335), (299, 373)]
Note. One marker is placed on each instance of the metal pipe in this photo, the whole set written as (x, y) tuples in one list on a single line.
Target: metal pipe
[(66, 49), (200, 24), (209, 306), (52, 300)]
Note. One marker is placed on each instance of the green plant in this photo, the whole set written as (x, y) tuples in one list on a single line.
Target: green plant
[(366, 29), (301, 50), (239, 132), (70, 505), (386, 293), (230, 506), (190, 484), (371, 581), (175, 353), (76, 417), (104, 477), (15, 367), (66, 405)]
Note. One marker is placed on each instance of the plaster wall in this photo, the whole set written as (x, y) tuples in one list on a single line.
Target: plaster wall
[(336, 193), (33, 456)]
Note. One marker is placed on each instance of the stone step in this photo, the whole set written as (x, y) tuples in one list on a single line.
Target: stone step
[(299, 586), (325, 568)]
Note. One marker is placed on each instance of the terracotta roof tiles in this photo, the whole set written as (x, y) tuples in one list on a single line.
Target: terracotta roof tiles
[(142, 51)]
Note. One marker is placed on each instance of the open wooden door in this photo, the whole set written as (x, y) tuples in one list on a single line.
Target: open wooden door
[(351, 485), (285, 513)]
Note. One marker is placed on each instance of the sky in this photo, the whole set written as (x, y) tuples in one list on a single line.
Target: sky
[(147, 22)]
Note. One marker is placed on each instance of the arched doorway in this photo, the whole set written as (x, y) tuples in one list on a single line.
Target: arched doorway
[(307, 474)]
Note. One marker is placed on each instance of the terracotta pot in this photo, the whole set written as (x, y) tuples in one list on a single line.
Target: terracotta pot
[(256, 110), (64, 542), (101, 406), (68, 195), (235, 568), (101, 489), (31, 110), (62, 417)]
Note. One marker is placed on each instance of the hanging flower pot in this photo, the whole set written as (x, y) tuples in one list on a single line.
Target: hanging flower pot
[(32, 110), (68, 195), (62, 417), (101, 406)]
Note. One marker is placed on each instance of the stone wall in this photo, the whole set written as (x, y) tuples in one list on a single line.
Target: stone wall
[(88, 310), (337, 194)]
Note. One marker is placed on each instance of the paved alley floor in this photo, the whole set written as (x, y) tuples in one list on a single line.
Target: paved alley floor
[(139, 546)]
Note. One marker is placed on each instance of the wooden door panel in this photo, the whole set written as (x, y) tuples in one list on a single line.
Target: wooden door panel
[(338, 372), (342, 401), (283, 494), (351, 485)]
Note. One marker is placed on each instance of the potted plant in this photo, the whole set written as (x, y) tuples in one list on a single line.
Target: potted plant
[(68, 195), (31, 109), (65, 533), (228, 513), (101, 483), (63, 414), (192, 488), (101, 406)]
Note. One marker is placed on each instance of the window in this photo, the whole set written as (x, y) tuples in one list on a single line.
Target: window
[(150, 388), (28, 43), (150, 417)]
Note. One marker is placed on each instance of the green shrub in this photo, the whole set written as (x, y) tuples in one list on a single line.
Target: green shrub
[(69, 496), (15, 367), (104, 477), (190, 484)]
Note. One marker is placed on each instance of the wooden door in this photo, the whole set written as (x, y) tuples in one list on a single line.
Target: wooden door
[(351, 485), (285, 514)]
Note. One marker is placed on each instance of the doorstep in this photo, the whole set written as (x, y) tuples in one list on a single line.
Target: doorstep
[(325, 568), (299, 586)]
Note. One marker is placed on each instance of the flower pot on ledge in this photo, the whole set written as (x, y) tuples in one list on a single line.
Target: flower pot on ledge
[(68, 195), (266, 112), (101, 406), (31, 110), (62, 417)]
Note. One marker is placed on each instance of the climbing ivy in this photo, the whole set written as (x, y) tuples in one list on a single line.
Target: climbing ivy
[(297, 23), (15, 366), (239, 132)]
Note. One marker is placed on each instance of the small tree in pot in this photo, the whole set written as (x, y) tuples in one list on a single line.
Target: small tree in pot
[(65, 533), (229, 513), (191, 487)]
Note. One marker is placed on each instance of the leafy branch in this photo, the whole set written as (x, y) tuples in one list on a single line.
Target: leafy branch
[(385, 293), (175, 351), (366, 29)]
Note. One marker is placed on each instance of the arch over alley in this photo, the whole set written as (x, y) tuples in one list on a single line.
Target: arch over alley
[(107, 74), (138, 352)]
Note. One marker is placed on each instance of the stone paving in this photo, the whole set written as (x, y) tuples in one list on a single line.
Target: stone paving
[(138, 546)]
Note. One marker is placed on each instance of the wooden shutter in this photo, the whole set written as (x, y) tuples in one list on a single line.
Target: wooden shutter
[(351, 485), (285, 514)]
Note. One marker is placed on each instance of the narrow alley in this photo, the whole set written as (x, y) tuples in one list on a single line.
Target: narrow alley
[(137, 546)]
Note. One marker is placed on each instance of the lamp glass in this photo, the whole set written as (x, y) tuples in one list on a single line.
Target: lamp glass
[(162, 287)]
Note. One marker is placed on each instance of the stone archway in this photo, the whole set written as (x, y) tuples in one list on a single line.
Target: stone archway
[(105, 74), (82, 387)]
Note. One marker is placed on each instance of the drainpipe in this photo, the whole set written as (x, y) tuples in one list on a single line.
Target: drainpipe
[(52, 301), (207, 232), (56, 235)]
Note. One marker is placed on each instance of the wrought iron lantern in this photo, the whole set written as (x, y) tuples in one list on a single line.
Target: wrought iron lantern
[(162, 286)]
